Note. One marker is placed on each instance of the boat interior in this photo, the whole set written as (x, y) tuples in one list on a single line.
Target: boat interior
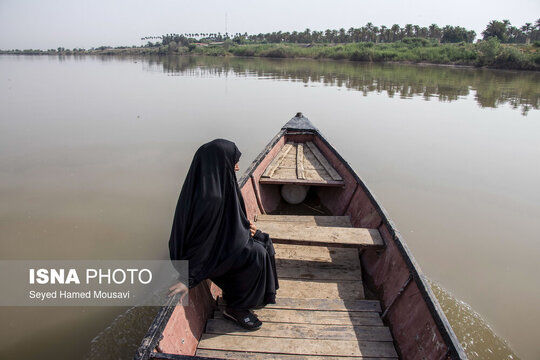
[(348, 286)]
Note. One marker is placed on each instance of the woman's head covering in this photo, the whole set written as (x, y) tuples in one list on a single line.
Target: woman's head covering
[(210, 223)]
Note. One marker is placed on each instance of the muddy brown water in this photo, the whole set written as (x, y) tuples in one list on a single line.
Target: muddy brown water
[(93, 152)]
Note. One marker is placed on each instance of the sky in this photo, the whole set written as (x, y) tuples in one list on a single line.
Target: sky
[(43, 24)]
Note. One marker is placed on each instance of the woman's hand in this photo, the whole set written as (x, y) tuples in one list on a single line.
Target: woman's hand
[(178, 288), (252, 228)]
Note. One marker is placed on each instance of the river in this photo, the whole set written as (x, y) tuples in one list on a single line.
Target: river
[(93, 151)]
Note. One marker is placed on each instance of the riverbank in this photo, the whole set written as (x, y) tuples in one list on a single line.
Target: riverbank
[(488, 53)]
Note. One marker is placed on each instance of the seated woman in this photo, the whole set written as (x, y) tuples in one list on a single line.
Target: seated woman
[(212, 232)]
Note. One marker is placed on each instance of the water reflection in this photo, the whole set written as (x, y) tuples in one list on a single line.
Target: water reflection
[(490, 88)]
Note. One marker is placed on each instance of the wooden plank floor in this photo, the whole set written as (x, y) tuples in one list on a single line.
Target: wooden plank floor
[(320, 312), (301, 163)]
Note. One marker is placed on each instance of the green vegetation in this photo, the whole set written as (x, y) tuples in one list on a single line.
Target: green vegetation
[(489, 53), (503, 45)]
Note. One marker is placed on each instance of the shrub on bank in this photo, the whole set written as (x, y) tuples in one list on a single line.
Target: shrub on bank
[(243, 51), (277, 52), (489, 52), (492, 53), (512, 58), (413, 41)]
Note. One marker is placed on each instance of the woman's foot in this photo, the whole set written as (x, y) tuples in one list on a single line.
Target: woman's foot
[(244, 318)]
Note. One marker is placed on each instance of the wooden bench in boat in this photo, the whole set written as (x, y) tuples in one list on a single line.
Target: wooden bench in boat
[(315, 220), (307, 230), (320, 312)]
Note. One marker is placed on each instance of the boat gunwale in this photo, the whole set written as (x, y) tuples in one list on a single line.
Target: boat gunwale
[(262, 155), (298, 125), (153, 335), (166, 356)]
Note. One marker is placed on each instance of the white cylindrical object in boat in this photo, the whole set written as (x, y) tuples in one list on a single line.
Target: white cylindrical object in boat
[(294, 194)]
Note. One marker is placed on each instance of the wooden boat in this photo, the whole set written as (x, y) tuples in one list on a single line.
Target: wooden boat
[(349, 286)]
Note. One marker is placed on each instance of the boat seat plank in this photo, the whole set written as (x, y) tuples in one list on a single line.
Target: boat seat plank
[(332, 221), (290, 232), (302, 182), (297, 346), (302, 331), (306, 289), (322, 304), (242, 355), (364, 318)]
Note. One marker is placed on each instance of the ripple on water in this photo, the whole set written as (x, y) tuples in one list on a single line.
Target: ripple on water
[(123, 336), (475, 335)]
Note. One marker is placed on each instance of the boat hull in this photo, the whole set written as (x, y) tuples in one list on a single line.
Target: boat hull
[(419, 327)]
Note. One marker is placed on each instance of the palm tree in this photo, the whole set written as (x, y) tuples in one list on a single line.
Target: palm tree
[(416, 30), (408, 30), (395, 29), (383, 33), (496, 29), (527, 29), (328, 35), (350, 34), (375, 31), (369, 31), (342, 35)]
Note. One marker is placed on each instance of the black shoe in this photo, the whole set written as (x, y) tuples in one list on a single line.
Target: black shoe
[(244, 318)]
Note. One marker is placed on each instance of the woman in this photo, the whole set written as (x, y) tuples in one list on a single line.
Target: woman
[(212, 232)]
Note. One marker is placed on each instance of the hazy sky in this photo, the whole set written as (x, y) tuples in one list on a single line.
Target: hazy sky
[(87, 23)]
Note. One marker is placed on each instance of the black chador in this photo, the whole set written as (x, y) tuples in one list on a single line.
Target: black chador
[(212, 232)]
